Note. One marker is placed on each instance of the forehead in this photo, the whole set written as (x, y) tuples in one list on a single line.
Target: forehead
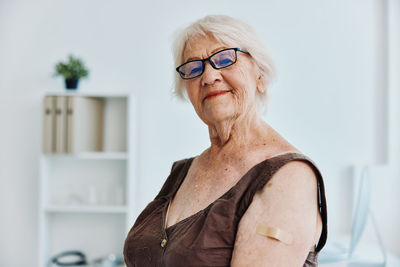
[(201, 46)]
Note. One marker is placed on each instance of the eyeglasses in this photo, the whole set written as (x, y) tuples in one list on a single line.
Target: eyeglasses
[(218, 60)]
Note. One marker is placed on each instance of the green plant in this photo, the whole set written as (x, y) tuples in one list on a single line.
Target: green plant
[(73, 69)]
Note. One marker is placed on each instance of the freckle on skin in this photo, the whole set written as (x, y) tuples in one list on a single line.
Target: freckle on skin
[(226, 169), (269, 184)]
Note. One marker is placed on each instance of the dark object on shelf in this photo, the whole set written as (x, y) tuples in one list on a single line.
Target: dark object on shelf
[(78, 258), (64, 258), (71, 84)]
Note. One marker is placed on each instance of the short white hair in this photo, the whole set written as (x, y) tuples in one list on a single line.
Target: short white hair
[(232, 32)]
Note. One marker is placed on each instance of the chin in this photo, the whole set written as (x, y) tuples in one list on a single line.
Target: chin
[(220, 114)]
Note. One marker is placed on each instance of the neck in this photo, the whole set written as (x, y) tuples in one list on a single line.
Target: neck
[(236, 134)]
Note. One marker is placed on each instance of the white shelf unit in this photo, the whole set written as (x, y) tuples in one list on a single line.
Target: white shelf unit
[(87, 199), (86, 209)]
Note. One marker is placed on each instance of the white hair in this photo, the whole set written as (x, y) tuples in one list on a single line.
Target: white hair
[(232, 32)]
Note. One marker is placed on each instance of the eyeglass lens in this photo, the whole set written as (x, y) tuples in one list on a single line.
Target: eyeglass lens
[(224, 58)]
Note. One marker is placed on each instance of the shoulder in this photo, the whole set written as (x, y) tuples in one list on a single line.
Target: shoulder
[(294, 185), (294, 173), (177, 168), (293, 189), (180, 163)]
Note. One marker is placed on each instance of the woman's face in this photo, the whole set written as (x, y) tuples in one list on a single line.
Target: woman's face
[(222, 94)]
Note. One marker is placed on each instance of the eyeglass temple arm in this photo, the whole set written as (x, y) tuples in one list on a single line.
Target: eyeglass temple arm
[(242, 50)]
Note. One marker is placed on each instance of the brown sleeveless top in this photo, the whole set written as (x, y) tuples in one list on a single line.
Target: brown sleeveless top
[(207, 237)]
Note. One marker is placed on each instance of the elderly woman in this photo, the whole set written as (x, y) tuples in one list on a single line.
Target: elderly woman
[(251, 198)]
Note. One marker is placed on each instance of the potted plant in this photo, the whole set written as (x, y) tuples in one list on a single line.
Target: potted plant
[(73, 70)]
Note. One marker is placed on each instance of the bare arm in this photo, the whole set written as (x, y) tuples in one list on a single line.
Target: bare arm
[(289, 201)]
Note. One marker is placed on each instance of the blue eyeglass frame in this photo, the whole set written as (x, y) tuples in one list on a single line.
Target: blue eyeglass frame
[(211, 63)]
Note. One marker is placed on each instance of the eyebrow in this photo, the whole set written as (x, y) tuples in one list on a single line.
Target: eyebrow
[(212, 52)]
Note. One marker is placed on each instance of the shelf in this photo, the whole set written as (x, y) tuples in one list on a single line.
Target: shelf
[(92, 155), (85, 209), (102, 155), (87, 172), (104, 94)]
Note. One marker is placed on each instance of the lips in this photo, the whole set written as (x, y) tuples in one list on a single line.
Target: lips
[(214, 94)]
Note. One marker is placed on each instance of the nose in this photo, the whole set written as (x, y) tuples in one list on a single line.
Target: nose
[(210, 75)]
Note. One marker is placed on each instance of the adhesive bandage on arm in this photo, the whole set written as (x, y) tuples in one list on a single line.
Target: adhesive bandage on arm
[(275, 233)]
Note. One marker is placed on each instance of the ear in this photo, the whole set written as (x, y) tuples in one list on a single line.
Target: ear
[(260, 84)]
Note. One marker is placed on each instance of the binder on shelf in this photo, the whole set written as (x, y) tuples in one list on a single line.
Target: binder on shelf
[(48, 125), (84, 124), (69, 123), (61, 123)]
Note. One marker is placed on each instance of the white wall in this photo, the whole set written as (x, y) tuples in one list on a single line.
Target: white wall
[(327, 100)]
